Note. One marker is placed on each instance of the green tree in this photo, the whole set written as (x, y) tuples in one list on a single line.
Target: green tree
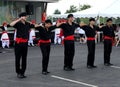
[(57, 12), (72, 9), (84, 7)]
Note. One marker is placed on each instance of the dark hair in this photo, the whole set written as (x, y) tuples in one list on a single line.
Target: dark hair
[(22, 14), (91, 19), (109, 19), (70, 15), (48, 21)]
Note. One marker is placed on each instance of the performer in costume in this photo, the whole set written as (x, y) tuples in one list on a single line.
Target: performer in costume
[(32, 36), (21, 43), (90, 31), (4, 37), (57, 39), (44, 43), (109, 38), (69, 48)]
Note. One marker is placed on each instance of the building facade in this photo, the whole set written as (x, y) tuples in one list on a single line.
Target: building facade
[(9, 9)]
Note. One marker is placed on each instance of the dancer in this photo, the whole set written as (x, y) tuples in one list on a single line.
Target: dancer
[(45, 42), (69, 48), (21, 43)]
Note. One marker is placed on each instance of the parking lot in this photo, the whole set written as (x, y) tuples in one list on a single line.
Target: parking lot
[(102, 76)]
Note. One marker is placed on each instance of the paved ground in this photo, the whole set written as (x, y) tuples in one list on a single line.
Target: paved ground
[(82, 77)]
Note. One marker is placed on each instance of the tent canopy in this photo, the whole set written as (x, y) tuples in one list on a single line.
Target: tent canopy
[(113, 10), (91, 12)]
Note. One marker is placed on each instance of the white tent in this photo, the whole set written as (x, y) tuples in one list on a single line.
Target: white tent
[(91, 12), (112, 10), (59, 16)]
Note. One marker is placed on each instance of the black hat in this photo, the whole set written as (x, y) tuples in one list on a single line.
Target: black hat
[(70, 15), (22, 14), (48, 21), (109, 19), (92, 19)]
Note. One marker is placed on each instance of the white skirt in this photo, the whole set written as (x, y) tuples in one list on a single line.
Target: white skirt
[(4, 36)]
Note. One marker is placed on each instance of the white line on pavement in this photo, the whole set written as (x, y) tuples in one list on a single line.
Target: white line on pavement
[(115, 67), (73, 81)]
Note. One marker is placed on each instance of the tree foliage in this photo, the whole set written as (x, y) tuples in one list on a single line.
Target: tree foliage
[(72, 9), (84, 7), (57, 11)]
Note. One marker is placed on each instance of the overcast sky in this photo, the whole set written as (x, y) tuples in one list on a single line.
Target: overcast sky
[(63, 5)]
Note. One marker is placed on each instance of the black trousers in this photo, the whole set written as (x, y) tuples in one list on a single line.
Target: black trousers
[(91, 53), (69, 51), (45, 49), (21, 57), (107, 50)]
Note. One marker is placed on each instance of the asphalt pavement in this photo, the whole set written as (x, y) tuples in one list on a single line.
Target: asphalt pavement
[(102, 76)]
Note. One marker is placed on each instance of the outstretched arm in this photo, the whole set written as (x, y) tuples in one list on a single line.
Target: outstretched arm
[(55, 26), (83, 25)]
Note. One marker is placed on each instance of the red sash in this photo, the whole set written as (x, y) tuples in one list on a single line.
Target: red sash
[(91, 38), (71, 37), (109, 38), (43, 41), (21, 40)]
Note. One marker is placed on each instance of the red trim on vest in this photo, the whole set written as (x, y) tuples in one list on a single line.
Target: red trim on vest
[(6, 39)]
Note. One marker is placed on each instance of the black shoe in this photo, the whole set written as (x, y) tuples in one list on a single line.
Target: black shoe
[(45, 72), (48, 72), (21, 76), (94, 66), (89, 67), (108, 64), (67, 69), (72, 69), (18, 75)]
